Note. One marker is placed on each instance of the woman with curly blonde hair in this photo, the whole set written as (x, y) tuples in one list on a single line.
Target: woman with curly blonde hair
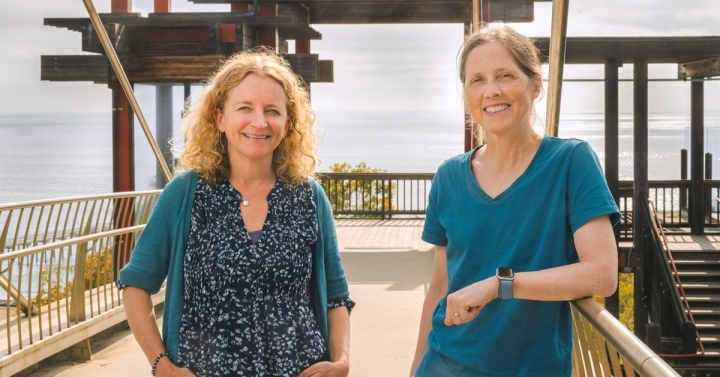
[(245, 238)]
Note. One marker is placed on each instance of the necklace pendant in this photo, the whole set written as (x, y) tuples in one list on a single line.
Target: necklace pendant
[(245, 203)]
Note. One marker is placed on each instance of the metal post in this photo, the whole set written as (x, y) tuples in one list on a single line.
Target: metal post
[(640, 177), (697, 205), (708, 165), (683, 176), (163, 129), (558, 37), (612, 153)]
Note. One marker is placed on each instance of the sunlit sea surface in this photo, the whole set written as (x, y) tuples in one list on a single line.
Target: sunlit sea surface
[(46, 156)]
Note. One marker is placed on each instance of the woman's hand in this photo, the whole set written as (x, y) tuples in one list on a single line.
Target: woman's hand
[(165, 368), (326, 369), (464, 305)]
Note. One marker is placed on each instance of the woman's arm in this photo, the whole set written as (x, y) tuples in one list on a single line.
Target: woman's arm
[(436, 291), (338, 347), (142, 321), (594, 275)]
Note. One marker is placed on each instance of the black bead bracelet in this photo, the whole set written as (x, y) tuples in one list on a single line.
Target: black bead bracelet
[(157, 360)]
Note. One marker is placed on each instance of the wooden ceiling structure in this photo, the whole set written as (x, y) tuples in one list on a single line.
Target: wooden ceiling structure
[(184, 48), (167, 47)]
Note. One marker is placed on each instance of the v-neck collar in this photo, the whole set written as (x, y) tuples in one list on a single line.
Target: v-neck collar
[(480, 193)]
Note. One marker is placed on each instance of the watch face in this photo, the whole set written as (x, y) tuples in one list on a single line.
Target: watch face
[(505, 272)]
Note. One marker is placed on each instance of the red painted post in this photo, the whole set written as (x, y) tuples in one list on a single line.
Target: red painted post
[(302, 46), (239, 6), (123, 141), (163, 6), (268, 36), (121, 6), (123, 170)]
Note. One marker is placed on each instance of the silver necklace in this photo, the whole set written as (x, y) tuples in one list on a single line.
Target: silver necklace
[(246, 202)]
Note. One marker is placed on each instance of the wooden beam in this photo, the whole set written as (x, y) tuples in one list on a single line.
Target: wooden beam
[(326, 72), (74, 68), (178, 20), (165, 69), (305, 65), (701, 68), (596, 50), (374, 13), (384, 2)]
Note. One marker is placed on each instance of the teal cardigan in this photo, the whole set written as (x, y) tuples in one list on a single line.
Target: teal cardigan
[(160, 250)]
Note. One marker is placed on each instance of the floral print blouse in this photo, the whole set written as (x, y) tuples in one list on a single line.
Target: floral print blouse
[(247, 309)]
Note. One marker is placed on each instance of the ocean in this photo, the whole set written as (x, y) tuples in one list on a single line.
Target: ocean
[(56, 155)]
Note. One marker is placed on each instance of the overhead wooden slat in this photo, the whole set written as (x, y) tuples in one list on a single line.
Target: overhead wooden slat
[(164, 69), (657, 50), (176, 20), (74, 68), (326, 71), (305, 65)]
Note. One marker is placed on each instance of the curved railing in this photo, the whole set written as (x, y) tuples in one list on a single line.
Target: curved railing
[(602, 346), (59, 260)]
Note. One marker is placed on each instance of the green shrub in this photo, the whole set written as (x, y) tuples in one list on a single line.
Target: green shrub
[(359, 195)]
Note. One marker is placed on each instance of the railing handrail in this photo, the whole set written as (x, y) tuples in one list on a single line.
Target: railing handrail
[(659, 253), (70, 242), (377, 175), (678, 292), (73, 199), (635, 352)]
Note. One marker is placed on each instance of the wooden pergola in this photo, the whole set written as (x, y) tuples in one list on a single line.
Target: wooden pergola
[(167, 48)]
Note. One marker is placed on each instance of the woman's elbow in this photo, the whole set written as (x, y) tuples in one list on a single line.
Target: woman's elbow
[(608, 280)]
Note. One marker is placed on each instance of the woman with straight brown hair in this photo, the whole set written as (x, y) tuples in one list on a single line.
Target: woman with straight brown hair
[(521, 224)]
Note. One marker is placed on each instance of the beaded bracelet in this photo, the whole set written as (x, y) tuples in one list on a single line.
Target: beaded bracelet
[(157, 360)]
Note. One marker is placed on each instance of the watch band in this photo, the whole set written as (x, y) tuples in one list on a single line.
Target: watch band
[(505, 291)]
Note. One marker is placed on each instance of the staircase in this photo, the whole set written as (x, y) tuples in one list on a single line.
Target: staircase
[(699, 272)]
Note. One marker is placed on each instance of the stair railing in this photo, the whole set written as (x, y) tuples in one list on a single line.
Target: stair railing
[(668, 305)]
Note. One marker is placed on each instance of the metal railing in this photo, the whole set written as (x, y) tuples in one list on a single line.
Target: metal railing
[(70, 294), (57, 268), (667, 303), (377, 195), (671, 198), (29, 224), (602, 346)]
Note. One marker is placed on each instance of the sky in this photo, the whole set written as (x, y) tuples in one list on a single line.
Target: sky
[(377, 67)]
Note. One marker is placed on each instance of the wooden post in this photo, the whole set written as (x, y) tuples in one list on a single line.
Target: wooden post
[(268, 36), (640, 176), (612, 163), (697, 205)]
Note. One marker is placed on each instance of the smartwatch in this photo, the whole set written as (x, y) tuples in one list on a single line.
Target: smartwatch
[(506, 276)]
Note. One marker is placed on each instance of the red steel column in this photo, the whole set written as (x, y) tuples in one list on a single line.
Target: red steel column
[(268, 36), (302, 46), (162, 6), (121, 6), (123, 171), (238, 6), (123, 141)]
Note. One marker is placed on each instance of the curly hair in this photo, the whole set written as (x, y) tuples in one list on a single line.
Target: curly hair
[(205, 149)]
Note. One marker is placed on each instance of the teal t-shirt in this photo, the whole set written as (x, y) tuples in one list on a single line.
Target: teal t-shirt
[(528, 227)]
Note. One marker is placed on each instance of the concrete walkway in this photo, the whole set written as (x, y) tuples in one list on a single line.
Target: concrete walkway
[(388, 268)]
